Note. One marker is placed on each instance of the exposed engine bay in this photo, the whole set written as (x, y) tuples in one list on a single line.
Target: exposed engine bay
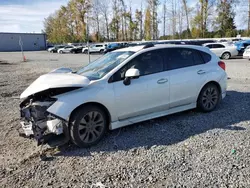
[(36, 121)]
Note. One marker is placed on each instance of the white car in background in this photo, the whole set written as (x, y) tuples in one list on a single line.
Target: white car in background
[(95, 48), (123, 87), (246, 54), (65, 49), (223, 50)]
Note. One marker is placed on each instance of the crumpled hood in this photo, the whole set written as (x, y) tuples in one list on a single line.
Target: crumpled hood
[(55, 80)]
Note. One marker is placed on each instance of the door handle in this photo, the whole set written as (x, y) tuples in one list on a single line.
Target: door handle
[(162, 81), (201, 72)]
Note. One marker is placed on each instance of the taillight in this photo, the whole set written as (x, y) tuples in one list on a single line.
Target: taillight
[(222, 65)]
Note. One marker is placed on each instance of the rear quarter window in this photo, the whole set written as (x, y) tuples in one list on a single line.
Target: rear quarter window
[(205, 56)]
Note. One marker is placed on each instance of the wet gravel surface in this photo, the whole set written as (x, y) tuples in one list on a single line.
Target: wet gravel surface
[(188, 149)]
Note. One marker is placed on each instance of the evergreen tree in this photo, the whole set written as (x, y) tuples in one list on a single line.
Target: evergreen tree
[(225, 20)]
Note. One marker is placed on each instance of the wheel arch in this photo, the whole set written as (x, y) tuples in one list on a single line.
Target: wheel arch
[(104, 108), (210, 82)]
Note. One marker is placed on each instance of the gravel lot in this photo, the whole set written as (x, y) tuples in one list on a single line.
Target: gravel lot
[(188, 149)]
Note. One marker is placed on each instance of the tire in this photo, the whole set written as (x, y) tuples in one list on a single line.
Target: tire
[(209, 98), (88, 126), (101, 51), (226, 55), (73, 52), (85, 51), (60, 52)]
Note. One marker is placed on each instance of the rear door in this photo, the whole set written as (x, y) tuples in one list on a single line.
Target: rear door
[(218, 49), (187, 70)]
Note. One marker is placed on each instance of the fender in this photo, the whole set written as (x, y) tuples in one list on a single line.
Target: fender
[(67, 102), (216, 79)]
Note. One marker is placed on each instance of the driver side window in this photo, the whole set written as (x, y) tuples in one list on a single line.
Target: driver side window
[(147, 63)]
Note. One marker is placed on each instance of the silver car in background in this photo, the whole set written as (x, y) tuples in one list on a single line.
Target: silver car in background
[(222, 50)]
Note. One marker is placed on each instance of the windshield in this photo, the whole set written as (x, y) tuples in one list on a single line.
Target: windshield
[(100, 67)]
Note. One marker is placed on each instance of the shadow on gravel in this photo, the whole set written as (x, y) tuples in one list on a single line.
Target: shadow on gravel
[(172, 129)]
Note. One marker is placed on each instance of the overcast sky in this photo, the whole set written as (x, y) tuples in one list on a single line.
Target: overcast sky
[(28, 15)]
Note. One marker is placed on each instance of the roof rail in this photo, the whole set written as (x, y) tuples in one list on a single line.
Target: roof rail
[(149, 45)]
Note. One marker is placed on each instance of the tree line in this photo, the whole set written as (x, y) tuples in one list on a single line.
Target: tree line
[(120, 20)]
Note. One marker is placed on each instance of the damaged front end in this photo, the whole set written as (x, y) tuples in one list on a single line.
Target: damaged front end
[(37, 122)]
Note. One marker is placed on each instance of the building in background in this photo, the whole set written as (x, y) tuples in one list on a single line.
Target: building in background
[(30, 41)]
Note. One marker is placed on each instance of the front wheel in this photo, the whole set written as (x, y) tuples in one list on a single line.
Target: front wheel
[(60, 52), (88, 126), (209, 98)]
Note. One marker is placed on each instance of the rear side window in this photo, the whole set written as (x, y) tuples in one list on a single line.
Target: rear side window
[(98, 45), (209, 46), (176, 58), (205, 56), (218, 46)]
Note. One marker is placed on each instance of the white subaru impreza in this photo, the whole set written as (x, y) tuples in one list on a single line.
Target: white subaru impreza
[(123, 87)]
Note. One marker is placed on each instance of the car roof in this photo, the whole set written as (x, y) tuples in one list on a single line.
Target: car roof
[(160, 46), (222, 43), (131, 49)]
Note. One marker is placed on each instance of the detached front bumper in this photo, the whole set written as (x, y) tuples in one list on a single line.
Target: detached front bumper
[(52, 126), (53, 132), (37, 123)]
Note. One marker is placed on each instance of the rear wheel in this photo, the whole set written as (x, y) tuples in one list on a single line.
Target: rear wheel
[(60, 51), (85, 51), (209, 98), (226, 55), (88, 126), (101, 51)]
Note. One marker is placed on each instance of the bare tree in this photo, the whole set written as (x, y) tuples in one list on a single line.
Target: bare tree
[(164, 17), (173, 17), (96, 16), (104, 11), (248, 16), (187, 16)]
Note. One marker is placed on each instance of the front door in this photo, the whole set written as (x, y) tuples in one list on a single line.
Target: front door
[(147, 94)]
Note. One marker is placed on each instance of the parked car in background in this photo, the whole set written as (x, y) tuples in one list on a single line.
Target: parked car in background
[(246, 54), (95, 48), (200, 42), (222, 50), (113, 46), (65, 49), (123, 87), (241, 45), (55, 48), (49, 46), (76, 50), (169, 42)]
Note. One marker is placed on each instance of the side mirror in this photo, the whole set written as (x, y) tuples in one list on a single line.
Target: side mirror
[(131, 74)]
